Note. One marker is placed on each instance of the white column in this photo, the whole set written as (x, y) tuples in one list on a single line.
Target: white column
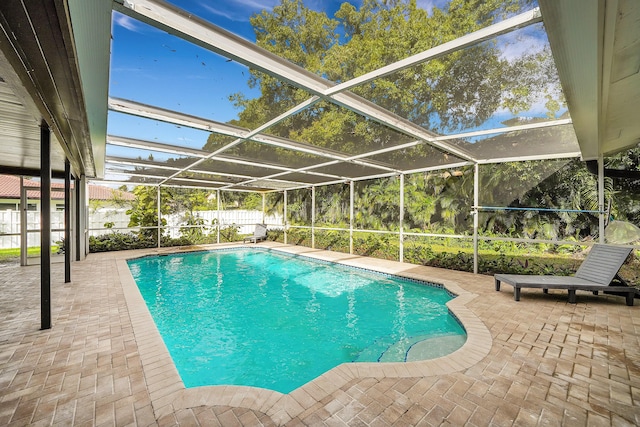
[(476, 198), (159, 219), (601, 218), (83, 213), (401, 236), (313, 217), (218, 214), (284, 218), (351, 215), (24, 243)]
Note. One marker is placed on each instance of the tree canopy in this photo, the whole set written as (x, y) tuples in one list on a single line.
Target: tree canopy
[(447, 94)]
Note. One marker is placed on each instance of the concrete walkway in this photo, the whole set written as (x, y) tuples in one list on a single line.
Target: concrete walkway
[(540, 361)]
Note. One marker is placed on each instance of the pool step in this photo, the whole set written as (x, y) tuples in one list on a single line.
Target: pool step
[(434, 347), (420, 347)]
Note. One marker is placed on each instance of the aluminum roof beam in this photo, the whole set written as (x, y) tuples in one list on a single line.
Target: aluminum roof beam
[(172, 149), (148, 164), (121, 141), (173, 117), (119, 161), (216, 153), (282, 183), (156, 113), (149, 184)]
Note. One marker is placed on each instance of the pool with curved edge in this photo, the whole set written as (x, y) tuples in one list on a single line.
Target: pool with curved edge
[(268, 319)]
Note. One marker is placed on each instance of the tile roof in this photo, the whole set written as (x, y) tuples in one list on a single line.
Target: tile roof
[(10, 189)]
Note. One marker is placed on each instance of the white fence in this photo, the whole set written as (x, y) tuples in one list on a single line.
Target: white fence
[(10, 228), (119, 220), (245, 220)]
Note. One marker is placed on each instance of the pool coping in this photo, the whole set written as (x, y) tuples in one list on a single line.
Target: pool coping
[(168, 393)]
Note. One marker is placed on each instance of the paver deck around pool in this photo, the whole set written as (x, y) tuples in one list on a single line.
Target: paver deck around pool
[(540, 361)]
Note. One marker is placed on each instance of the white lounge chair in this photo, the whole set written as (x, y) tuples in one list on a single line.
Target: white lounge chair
[(596, 273), (260, 233)]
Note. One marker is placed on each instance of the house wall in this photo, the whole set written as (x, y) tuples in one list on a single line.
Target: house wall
[(14, 204)]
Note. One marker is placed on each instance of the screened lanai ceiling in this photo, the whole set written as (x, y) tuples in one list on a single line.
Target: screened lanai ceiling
[(431, 106), (215, 96)]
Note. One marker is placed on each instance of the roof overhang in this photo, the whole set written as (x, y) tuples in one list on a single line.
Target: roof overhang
[(596, 47), (54, 63)]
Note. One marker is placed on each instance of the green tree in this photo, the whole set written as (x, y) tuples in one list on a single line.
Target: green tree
[(547, 184), (241, 200), (452, 191), (116, 200), (188, 201), (144, 210), (625, 197), (332, 205), (451, 92), (376, 204)]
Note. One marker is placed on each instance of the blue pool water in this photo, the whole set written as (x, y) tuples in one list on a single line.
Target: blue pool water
[(267, 319)]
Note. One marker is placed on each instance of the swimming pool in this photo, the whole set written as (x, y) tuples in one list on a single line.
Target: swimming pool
[(267, 319)]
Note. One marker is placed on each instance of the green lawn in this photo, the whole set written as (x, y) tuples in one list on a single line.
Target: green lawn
[(7, 255)]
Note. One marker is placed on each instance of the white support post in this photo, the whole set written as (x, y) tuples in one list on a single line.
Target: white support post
[(476, 198), (351, 216), (264, 206), (313, 217), (74, 222), (23, 223), (601, 218), (83, 220), (284, 217), (218, 215), (401, 236), (159, 219)]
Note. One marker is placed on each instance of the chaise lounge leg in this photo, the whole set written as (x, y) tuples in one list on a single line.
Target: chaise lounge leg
[(572, 296), (497, 285), (630, 297), (516, 293), (545, 291)]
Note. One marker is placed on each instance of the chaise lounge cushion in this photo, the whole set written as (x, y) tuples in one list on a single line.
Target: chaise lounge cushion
[(260, 233), (595, 274)]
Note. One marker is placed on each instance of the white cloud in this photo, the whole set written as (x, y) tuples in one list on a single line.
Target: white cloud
[(239, 10), (232, 16), (257, 4), (428, 5), (524, 44), (126, 69), (126, 22)]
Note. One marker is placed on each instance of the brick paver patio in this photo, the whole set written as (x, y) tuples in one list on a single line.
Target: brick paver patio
[(540, 361)]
